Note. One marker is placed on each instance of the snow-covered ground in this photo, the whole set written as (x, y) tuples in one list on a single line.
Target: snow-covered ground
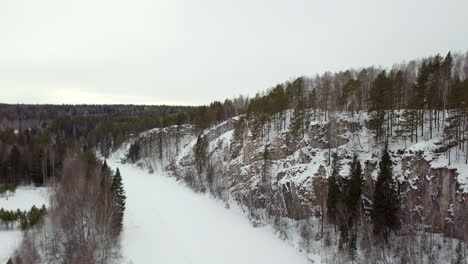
[(24, 198), (9, 240), (165, 222)]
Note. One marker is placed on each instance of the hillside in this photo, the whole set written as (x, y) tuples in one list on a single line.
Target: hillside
[(280, 179)]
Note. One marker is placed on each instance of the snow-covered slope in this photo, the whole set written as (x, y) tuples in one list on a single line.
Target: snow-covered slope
[(165, 222)]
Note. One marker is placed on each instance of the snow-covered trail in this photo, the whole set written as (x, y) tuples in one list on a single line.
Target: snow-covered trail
[(165, 222)]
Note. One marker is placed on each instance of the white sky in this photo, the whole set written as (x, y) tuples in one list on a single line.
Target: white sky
[(194, 52)]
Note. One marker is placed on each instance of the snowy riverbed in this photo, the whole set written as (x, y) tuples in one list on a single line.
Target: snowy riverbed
[(165, 222), (24, 198)]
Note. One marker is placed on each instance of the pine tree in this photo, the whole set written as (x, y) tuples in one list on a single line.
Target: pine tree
[(298, 117), (386, 203), (380, 98), (333, 189), (119, 196)]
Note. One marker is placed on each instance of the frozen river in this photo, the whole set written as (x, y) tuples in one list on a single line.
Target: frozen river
[(165, 222)]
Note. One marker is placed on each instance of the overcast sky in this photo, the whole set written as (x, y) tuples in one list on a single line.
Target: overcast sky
[(194, 52)]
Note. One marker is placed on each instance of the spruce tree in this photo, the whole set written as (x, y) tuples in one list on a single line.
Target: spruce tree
[(119, 196), (386, 202), (354, 188), (201, 152), (333, 189)]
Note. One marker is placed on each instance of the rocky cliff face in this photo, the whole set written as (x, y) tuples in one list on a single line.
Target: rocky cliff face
[(274, 175), (433, 197)]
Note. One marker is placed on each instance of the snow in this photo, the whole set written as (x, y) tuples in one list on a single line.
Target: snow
[(24, 198), (425, 147), (227, 136), (456, 163), (165, 222), (9, 240)]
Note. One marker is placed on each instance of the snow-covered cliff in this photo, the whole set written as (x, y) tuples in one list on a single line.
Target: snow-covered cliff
[(272, 175)]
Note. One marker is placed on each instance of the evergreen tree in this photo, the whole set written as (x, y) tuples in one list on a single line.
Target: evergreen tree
[(201, 152), (354, 188), (386, 203), (298, 118), (381, 100), (333, 189), (266, 165), (119, 196), (446, 68)]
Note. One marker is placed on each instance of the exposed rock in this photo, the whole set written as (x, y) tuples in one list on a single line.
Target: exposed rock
[(274, 174)]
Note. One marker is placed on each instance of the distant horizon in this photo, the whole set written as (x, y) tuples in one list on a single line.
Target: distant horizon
[(247, 95), (182, 52)]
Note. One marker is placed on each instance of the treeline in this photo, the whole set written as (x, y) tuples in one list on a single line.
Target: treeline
[(399, 99), (109, 133), (25, 219), (106, 127), (46, 112), (30, 156)]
